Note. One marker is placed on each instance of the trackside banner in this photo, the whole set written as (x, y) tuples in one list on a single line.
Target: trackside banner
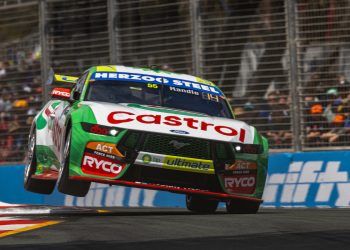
[(314, 179)]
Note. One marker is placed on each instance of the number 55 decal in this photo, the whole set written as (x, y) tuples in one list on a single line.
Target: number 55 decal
[(152, 85)]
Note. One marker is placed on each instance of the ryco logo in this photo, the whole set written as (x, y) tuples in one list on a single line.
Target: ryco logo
[(118, 117), (100, 166), (240, 184), (60, 92), (236, 182)]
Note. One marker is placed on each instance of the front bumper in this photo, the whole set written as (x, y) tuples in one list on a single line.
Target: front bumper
[(210, 180)]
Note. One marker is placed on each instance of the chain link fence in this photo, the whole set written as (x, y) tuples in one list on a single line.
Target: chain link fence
[(324, 73), (154, 33), (20, 81), (284, 65), (244, 50)]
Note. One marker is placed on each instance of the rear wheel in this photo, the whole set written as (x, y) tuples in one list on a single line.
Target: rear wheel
[(199, 204), (242, 206), (64, 184), (31, 184)]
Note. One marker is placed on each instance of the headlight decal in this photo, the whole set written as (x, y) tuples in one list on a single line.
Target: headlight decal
[(99, 129)]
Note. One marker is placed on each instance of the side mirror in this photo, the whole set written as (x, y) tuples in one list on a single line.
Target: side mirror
[(61, 93), (76, 95)]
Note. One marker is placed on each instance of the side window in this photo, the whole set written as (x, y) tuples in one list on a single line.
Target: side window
[(80, 83)]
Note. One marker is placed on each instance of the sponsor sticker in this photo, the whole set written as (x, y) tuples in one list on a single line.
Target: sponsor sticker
[(103, 149), (100, 166), (187, 163), (175, 162), (146, 158), (118, 117), (242, 165), (60, 92), (244, 184), (150, 159), (240, 177), (186, 91), (172, 82), (210, 97)]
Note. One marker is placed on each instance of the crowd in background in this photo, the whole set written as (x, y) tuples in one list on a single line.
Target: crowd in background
[(262, 92), (20, 96), (242, 46)]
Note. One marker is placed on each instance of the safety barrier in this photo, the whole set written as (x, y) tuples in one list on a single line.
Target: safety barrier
[(312, 179)]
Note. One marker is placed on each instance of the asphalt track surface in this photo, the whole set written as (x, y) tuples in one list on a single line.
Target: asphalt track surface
[(126, 228)]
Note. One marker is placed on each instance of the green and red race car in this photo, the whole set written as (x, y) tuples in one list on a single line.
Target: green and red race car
[(149, 129)]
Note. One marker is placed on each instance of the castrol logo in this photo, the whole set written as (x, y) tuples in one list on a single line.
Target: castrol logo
[(119, 117)]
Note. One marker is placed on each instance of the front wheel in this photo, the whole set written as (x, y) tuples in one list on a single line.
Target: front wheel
[(199, 204), (242, 206), (64, 184), (31, 184)]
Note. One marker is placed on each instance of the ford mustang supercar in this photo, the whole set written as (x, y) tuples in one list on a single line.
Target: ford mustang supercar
[(149, 129)]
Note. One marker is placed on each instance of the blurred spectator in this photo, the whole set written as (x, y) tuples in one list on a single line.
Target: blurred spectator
[(335, 113), (20, 96), (277, 118), (2, 69), (6, 140), (316, 125)]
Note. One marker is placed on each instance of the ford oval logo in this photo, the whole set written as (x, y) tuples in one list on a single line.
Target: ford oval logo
[(181, 132)]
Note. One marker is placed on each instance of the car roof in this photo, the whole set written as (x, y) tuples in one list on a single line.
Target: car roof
[(153, 72)]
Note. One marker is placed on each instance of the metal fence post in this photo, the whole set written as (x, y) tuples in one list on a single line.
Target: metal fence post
[(293, 77), (111, 9), (44, 50), (195, 39)]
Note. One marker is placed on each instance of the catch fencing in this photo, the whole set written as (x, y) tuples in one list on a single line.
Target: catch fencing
[(284, 65)]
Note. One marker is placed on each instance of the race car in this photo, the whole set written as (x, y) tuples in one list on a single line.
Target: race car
[(149, 129)]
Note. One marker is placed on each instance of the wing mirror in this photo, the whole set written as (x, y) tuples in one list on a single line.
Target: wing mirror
[(61, 94)]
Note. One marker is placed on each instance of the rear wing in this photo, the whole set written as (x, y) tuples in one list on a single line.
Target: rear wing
[(65, 79), (55, 78)]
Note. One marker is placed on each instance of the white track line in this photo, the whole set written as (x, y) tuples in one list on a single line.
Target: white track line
[(15, 226)]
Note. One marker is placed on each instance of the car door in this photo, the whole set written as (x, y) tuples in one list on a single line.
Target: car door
[(60, 116)]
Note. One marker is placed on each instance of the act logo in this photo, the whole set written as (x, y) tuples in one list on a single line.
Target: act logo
[(241, 165)]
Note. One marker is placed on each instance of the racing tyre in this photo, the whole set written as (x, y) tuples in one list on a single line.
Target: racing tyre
[(242, 207), (31, 184), (200, 204), (64, 184)]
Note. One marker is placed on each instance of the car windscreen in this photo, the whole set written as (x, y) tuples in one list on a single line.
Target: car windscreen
[(124, 92), (159, 95), (202, 102)]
